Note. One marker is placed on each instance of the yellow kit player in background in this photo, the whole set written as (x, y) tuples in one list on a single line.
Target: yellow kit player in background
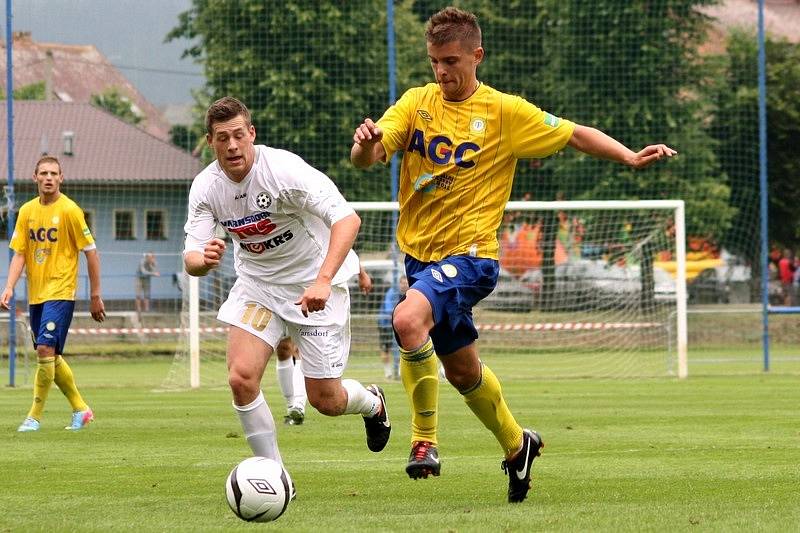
[(461, 141), (49, 233)]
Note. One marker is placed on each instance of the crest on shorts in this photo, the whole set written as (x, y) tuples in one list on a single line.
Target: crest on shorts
[(449, 270), (263, 200)]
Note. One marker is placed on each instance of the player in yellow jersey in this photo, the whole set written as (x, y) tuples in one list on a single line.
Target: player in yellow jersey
[(49, 233), (462, 140)]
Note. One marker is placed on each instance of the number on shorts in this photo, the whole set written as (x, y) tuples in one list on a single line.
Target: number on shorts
[(256, 315)]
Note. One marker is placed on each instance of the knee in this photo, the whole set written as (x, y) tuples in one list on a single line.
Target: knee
[(406, 322), (242, 384), (44, 350)]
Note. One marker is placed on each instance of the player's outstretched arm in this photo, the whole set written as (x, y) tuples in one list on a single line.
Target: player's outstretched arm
[(597, 144), (367, 148), (15, 269), (200, 263)]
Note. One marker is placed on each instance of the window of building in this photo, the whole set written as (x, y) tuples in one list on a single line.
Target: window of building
[(156, 225), (3, 224), (124, 225), (88, 216)]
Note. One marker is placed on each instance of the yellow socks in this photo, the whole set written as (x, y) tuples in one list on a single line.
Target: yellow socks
[(486, 400), (66, 382), (419, 371), (45, 372)]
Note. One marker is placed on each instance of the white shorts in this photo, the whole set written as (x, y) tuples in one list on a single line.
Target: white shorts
[(269, 313)]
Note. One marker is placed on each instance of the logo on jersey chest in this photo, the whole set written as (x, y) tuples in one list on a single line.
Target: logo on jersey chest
[(261, 247), (43, 234), (441, 150), (257, 224), (263, 200)]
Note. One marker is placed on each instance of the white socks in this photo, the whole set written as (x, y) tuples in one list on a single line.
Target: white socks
[(292, 383), (299, 385), (259, 428), (360, 400)]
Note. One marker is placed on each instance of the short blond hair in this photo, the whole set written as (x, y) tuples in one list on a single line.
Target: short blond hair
[(453, 24), (47, 159)]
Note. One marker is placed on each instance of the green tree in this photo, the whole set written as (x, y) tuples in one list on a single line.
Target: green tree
[(183, 137), (309, 75), (735, 125), (118, 104), (33, 91)]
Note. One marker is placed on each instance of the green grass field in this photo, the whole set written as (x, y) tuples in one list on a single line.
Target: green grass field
[(712, 453)]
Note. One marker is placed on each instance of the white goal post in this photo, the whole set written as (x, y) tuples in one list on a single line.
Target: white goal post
[(582, 296)]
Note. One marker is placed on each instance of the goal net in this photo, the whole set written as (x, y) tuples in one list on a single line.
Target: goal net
[(592, 289)]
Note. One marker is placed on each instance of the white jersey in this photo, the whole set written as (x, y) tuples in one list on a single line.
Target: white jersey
[(279, 218)]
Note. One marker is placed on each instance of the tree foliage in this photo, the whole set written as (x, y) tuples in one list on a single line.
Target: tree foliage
[(309, 75), (735, 125), (33, 91), (118, 104)]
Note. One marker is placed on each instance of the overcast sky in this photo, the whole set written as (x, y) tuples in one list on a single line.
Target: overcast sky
[(130, 33)]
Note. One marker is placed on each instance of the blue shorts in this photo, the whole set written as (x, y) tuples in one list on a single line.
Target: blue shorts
[(453, 286), (50, 323)]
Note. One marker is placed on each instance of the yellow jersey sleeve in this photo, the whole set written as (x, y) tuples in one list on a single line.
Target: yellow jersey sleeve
[(395, 123), (19, 239), (535, 133), (76, 223)]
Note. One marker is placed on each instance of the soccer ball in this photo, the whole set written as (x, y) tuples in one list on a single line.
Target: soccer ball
[(258, 489)]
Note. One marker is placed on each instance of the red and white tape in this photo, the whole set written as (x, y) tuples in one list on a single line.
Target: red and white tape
[(545, 326), (140, 331), (567, 326)]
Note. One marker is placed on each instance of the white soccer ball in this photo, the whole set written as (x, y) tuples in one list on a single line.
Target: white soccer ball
[(258, 489)]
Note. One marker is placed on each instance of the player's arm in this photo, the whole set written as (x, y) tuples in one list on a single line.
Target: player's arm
[(200, 263), (343, 236), (96, 306), (203, 250), (367, 147), (15, 269), (594, 142), (364, 280)]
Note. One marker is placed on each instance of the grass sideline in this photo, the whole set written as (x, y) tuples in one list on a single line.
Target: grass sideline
[(716, 453)]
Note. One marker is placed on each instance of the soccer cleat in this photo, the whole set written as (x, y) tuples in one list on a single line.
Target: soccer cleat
[(80, 419), (292, 492), (29, 424), (378, 427), (423, 461), (519, 468), (294, 416)]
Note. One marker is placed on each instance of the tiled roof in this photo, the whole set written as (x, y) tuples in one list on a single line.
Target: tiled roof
[(104, 147), (781, 20), (76, 72)]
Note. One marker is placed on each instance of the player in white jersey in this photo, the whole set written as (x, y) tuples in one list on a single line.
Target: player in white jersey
[(292, 233), (289, 368)]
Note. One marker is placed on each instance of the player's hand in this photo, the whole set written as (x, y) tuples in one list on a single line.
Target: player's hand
[(367, 133), (314, 298), (364, 282), (651, 154), (97, 309), (6, 297), (213, 252)]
